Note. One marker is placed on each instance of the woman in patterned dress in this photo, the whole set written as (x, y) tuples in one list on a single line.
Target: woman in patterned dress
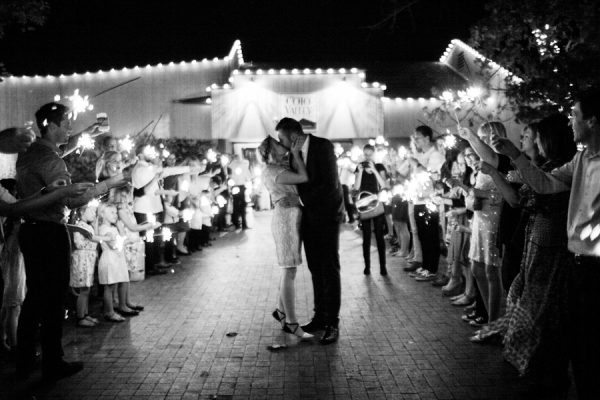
[(280, 180), (534, 327)]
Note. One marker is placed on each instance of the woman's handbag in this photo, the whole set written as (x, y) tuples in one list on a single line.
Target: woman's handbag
[(368, 205)]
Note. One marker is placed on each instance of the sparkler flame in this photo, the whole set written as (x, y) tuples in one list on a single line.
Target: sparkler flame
[(402, 152), (211, 155), (119, 242), (150, 152), (449, 141), (166, 234), (86, 142), (187, 214), (355, 153), (126, 144), (79, 104), (185, 186), (93, 203)]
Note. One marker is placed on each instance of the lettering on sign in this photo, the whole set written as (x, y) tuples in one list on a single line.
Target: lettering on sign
[(298, 106)]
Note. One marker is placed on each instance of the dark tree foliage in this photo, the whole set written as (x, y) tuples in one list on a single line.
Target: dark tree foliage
[(553, 45)]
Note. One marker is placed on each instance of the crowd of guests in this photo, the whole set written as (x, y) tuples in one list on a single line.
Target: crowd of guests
[(145, 211), (512, 235), (509, 234)]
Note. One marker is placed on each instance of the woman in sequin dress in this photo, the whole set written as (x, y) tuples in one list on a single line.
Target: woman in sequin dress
[(280, 180)]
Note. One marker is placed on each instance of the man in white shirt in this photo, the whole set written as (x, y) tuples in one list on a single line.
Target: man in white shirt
[(581, 176), (427, 222)]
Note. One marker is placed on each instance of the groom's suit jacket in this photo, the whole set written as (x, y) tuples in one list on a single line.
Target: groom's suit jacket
[(322, 194)]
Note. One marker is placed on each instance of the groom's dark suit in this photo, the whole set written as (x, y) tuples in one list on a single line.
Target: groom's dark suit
[(323, 209)]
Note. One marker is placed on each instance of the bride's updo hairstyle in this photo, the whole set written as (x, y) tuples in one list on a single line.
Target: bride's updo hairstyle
[(264, 150)]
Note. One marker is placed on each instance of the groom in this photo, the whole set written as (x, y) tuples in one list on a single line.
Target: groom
[(322, 214)]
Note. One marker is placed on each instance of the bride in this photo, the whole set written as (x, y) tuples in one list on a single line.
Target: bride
[(280, 180)]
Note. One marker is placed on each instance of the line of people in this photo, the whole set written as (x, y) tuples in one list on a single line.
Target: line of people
[(519, 230), (62, 238)]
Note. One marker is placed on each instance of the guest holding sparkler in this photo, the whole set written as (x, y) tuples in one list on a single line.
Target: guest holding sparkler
[(47, 261), (534, 325), (112, 266), (147, 203), (83, 263), (484, 251), (580, 176), (430, 161)]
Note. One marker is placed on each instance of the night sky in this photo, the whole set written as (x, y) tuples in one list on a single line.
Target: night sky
[(87, 35)]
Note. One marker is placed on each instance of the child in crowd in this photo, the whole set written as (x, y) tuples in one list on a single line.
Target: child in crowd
[(206, 209), (133, 248), (13, 276), (112, 267), (83, 263)]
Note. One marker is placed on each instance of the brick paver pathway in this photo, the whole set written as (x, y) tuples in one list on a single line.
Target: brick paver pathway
[(399, 339)]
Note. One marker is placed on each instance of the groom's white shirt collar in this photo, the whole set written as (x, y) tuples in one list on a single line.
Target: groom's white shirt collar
[(304, 150)]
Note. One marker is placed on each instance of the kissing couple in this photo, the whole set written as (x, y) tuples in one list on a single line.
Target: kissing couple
[(301, 176)]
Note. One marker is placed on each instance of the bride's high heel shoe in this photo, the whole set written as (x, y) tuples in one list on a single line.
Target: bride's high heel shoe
[(279, 316), (292, 328)]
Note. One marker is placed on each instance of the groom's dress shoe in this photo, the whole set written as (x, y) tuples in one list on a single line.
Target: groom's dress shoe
[(330, 335), (313, 326)]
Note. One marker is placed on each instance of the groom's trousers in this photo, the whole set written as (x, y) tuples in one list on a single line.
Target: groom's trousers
[(321, 245)]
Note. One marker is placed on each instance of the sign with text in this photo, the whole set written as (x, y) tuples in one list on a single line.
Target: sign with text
[(299, 106)]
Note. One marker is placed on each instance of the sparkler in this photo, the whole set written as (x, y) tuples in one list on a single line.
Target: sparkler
[(231, 182), (166, 234), (93, 203), (149, 237), (225, 161), (151, 218), (166, 153), (86, 142), (431, 206), (402, 152), (79, 104), (126, 144), (119, 242), (185, 186), (235, 190), (215, 210), (187, 214), (338, 149), (380, 140), (221, 201), (150, 152), (449, 141), (211, 155)]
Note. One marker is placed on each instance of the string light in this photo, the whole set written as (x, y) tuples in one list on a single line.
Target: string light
[(235, 53)]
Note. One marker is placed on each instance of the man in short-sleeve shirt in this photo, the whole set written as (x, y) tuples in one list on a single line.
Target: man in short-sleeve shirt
[(45, 244)]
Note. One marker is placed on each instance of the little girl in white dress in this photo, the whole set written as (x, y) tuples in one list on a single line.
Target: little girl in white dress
[(112, 267)]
